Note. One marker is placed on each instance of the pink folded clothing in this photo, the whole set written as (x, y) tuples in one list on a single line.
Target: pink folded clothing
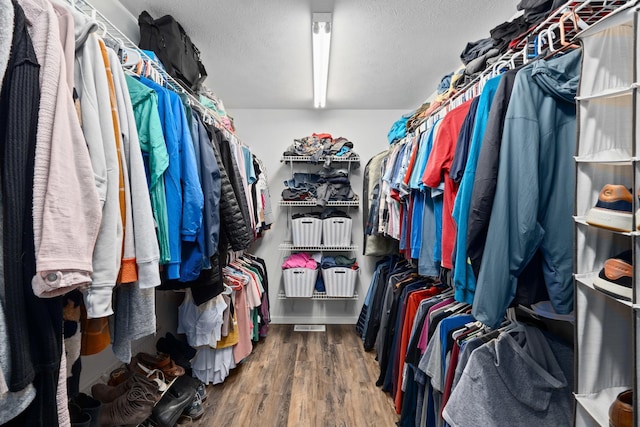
[(299, 260)]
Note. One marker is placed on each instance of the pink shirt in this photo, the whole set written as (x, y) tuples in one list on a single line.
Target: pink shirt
[(424, 338), (299, 260)]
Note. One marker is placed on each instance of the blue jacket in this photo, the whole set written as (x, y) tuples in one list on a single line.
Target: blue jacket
[(184, 195), (211, 186), (464, 280), (171, 177), (533, 204)]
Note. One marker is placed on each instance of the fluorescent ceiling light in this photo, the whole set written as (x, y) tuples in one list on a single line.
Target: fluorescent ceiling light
[(321, 36)]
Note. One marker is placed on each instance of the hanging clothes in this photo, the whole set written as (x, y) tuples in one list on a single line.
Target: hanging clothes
[(487, 172), (437, 171), (464, 280), (526, 358), (544, 221), (20, 79)]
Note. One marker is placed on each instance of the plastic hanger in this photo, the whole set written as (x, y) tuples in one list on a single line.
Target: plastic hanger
[(456, 307), (101, 27), (130, 57), (563, 30), (513, 325)]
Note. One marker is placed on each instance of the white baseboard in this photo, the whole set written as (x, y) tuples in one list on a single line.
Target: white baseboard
[(314, 320)]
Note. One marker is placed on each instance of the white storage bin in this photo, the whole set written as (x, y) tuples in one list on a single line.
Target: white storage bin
[(299, 282), (306, 231), (339, 281), (336, 231)]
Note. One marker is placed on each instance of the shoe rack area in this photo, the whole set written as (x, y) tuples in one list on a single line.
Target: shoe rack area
[(607, 174)]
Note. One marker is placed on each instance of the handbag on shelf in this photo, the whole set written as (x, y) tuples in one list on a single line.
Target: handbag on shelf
[(180, 57)]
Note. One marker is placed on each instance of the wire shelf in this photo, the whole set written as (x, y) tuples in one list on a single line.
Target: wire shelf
[(110, 31), (313, 202), (320, 296), (588, 12), (288, 247), (351, 159)]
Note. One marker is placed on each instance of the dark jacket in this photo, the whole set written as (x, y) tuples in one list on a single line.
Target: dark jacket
[(484, 185), (232, 223), (211, 184), (34, 325), (19, 100), (234, 172), (531, 287)]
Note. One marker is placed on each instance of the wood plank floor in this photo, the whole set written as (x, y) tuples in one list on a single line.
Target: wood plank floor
[(302, 379)]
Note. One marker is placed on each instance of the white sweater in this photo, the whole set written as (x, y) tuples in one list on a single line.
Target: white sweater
[(97, 126), (146, 251)]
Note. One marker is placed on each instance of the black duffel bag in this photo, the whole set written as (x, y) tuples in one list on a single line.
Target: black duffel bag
[(180, 57)]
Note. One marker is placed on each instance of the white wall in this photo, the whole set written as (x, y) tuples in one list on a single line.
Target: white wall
[(269, 133)]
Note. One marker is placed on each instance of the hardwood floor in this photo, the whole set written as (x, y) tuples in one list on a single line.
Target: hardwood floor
[(302, 379)]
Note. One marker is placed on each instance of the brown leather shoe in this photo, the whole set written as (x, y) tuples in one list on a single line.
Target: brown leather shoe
[(119, 375), (106, 393), (621, 411), (162, 362)]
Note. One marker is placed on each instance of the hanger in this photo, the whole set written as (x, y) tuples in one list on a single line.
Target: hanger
[(563, 31), (514, 325), (456, 307), (129, 57), (101, 26)]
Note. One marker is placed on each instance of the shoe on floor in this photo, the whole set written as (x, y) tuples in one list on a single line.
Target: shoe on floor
[(621, 410), (616, 277), (201, 391), (194, 411), (131, 408), (613, 210)]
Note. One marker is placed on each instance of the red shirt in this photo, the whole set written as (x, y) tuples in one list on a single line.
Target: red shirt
[(437, 170), (413, 302)]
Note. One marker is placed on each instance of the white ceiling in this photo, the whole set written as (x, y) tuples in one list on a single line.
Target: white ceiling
[(385, 54)]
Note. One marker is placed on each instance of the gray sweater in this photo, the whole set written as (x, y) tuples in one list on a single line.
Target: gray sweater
[(513, 381)]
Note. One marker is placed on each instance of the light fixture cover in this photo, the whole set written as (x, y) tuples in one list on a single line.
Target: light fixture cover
[(321, 38)]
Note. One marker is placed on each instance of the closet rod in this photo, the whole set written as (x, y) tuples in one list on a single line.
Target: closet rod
[(587, 12), (112, 32)]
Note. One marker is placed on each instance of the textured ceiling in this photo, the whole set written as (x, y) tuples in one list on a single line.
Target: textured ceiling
[(385, 54)]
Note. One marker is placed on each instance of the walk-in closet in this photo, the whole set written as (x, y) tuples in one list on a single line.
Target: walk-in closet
[(313, 213)]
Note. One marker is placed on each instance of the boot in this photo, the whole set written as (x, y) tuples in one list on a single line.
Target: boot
[(106, 394), (77, 417), (89, 406), (131, 408), (187, 351), (163, 346)]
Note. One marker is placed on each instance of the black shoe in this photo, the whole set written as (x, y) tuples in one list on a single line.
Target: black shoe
[(89, 406), (78, 418), (179, 397), (195, 411), (184, 348)]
